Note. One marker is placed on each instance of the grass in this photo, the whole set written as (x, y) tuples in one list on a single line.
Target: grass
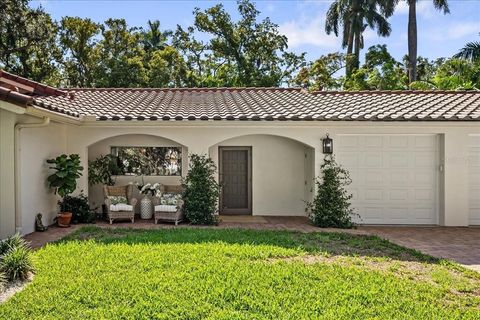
[(191, 273)]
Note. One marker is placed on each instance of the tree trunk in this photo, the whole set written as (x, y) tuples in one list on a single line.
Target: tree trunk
[(349, 61), (356, 61), (412, 40)]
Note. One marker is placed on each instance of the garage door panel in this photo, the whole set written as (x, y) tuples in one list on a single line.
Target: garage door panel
[(398, 159), (399, 195), (424, 159), (373, 195), (425, 142), (424, 194), (394, 177), (474, 179), (397, 141), (372, 160), (424, 178), (400, 178), (373, 141), (374, 177)]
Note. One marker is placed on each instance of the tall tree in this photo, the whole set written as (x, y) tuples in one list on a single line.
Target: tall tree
[(441, 5), (354, 16), (320, 74), (253, 51), (27, 41), (154, 38), (121, 56), (379, 72), (470, 52), (77, 38)]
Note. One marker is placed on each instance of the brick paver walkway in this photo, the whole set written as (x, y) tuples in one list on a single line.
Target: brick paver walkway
[(458, 244)]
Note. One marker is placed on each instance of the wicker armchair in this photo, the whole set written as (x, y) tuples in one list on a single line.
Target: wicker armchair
[(166, 213), (126, 191)]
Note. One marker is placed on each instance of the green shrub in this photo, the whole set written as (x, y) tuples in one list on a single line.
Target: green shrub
[(102, 170), (3, 280), (16, 264), (331, 207), (15, 258), (79, 208), (201, 190), (12, 242)]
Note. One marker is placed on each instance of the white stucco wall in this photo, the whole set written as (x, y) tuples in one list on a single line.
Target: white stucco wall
[(7, 175), (36, 146), (95, 193), (39, 144), (279, 182), (200, 136)]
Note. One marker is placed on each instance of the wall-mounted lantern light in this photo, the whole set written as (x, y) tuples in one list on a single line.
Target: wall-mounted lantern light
[(327, 145)]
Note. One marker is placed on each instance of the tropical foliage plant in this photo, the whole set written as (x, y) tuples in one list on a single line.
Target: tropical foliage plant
[(102, 170), (201, 190), (331, 207), (67, 170), (79, 207), (15, 259)]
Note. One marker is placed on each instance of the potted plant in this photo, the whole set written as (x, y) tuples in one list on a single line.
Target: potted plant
[(64, 181), (102, 171), (146, 202)]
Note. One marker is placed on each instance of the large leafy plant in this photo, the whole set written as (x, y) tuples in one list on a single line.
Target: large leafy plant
[(331, 207), (201, 190), (67, 170), (79, 207), (102, 169)]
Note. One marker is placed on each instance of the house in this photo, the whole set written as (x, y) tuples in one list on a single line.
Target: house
[(414, 156)]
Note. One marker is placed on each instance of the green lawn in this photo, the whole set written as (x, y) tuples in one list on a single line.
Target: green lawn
[(213, 273)]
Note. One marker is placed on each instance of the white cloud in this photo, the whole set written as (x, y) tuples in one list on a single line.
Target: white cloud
[(425, 9), (463, 29), (308, 32), (454, 31)]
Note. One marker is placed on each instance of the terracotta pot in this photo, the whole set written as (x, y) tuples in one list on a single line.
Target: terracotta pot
[(63, 219)]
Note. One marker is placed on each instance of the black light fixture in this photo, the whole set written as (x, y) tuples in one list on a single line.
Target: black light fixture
[(327, 145)]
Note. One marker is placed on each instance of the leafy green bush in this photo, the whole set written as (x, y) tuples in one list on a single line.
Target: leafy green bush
[(11, 242), (15, 258), (331, 207), (79, 208), (102, 169), (3, 280), (67, 171), (201, 190), (16, 264)]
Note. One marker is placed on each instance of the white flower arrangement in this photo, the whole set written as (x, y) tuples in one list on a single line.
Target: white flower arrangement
[(152, 189)]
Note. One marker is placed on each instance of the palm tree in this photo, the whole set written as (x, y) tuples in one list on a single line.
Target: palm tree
[(470, 52), (412, 33), (354, 16), (154, 38)]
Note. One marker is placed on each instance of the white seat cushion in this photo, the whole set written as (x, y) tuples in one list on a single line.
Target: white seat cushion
[(165, 208), (121, 207)]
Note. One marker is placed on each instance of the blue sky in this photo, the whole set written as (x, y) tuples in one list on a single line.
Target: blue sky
[(301, 21)]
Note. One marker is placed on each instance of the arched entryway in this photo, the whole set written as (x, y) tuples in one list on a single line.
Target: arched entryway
[(131, 142), (264, 174)]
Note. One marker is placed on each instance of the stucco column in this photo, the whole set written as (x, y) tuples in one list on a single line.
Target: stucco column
[(7, 176), (454, 187)]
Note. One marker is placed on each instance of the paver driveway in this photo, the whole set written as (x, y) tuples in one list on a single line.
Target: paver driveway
[(459, 244)]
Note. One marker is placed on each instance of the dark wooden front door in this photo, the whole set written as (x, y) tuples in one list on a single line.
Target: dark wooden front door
[(235, 178)]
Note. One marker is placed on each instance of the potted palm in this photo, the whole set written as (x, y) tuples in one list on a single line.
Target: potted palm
[(64, 181)]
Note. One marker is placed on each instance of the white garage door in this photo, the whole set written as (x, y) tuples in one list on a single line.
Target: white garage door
[(474, 179), (395, 177)]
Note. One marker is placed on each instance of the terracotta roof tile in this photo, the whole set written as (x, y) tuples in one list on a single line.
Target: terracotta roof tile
[(255, 104), (265, 104)]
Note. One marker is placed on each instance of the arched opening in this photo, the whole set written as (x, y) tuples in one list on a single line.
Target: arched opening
[(154, 171), (269, 174)]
